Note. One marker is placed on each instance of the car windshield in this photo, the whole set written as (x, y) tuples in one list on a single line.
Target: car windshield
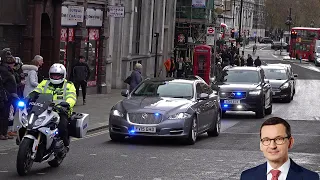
[(164, 89), (241, 76), (276, 74)]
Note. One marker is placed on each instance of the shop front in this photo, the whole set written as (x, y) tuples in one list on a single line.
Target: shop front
[(92, 47)]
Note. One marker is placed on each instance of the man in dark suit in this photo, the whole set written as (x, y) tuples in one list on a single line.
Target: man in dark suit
[(275, 142)]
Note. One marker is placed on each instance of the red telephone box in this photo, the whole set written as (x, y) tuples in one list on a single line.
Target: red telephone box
[(202, 62)]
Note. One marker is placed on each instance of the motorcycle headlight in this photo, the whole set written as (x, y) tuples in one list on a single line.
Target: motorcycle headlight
[(285, 85), (39, 121), (180, 116), (256, 92), (116, 113)]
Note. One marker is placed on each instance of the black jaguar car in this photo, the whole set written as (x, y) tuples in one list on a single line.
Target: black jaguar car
[(167, 108), (244, 89)]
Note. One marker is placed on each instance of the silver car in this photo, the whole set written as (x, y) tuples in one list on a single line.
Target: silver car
[(167, 108)]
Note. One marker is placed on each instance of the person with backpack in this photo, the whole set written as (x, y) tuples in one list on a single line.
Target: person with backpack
[(8, 92)]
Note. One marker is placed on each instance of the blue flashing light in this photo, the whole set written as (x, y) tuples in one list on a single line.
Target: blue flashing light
[(238, 93), (57, 132), (225, 105), (156, 114), (132, 131), (21, 104)]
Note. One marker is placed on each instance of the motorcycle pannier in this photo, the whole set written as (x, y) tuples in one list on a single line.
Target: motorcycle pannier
[(78, 125)]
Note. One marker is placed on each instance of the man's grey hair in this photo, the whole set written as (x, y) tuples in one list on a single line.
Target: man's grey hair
[(38, 58)]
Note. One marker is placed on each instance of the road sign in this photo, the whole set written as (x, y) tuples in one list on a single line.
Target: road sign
[(210, 30)]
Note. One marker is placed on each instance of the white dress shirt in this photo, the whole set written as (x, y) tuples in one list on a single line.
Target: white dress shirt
[(284, 170)]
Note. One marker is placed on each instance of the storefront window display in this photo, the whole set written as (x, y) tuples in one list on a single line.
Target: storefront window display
[(64, 45), (92, 54)]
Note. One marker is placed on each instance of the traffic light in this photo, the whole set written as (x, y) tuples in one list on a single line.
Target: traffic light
[(294, 35), (232, 33)]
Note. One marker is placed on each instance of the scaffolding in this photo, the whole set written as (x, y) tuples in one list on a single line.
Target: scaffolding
[(191, 26)]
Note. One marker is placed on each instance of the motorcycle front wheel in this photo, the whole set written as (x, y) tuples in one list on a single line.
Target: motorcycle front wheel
[(24, 160)]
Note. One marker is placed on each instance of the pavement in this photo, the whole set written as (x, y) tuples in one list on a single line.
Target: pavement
[(98, 107)]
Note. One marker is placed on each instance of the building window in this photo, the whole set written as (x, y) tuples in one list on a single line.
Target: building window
[(137, 27)]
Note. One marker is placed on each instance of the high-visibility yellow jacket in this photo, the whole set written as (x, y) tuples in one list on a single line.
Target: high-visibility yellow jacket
[(67, 92)]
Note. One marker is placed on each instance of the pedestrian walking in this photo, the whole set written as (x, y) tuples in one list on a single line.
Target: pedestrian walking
[(135, 77), (79, 76)]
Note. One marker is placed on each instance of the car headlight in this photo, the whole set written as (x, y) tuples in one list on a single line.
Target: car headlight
[(39, 121), (318, 59), (117, 113), (285, 85), (256, 92), (180, 116)]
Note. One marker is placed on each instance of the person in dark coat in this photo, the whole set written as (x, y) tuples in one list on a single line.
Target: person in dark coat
[(79, 76), (249, 60), (257, 62), (8, 93), (136, 77)]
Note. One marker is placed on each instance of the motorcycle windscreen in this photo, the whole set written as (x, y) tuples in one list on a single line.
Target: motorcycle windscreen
[(38, 104)]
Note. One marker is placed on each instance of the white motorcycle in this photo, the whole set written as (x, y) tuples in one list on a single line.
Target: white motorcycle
[(38, 138)]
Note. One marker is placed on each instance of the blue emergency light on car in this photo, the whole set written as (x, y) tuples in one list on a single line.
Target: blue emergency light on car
[(156, 114), (132, 131), (225, 105), (238, 93), (21, 104)]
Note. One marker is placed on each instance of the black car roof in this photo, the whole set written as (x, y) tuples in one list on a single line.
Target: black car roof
[(274, 67), (250, 68), (191, 81)]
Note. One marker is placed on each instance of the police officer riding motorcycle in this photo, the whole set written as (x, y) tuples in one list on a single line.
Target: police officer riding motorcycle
[(64, 96), (48, 121)]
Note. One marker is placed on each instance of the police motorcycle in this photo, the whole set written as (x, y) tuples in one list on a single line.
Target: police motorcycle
[(38, 138)]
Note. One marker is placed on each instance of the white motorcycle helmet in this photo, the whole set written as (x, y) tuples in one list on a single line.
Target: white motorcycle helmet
[(57, 73)]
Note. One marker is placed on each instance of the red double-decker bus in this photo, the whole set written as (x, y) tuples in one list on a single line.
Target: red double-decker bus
[(303, 45)]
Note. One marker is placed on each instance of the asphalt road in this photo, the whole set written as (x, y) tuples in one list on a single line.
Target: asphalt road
[(223, 157)]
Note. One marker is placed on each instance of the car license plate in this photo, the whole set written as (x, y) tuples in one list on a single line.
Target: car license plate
[(145, 129), (232, 101)]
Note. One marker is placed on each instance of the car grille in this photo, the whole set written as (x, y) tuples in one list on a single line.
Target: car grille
[(233, 95), (145, 118)]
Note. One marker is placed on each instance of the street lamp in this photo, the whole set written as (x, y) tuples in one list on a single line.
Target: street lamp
[(156, 35)]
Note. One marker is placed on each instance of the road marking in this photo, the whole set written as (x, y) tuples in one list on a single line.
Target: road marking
[(123, 155), (91, 135), (4, 171), (187, 159), (80, 175), (3, 153), (312, 135), (93, 154), (153, 157), (118, 176)]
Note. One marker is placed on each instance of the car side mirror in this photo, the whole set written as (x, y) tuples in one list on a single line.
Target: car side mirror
[(203, 96), (125, 93)]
